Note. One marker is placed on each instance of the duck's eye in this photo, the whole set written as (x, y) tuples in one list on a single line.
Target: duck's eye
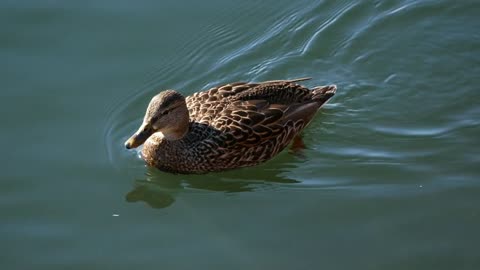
[(165, 112)]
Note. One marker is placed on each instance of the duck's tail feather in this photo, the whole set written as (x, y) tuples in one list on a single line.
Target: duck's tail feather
[(289, 81), (323, 93), (299, 79)]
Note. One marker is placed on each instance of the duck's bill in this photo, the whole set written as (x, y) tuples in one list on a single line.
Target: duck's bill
[(139, 137)]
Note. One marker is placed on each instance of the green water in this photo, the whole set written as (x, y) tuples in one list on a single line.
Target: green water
[(389, 179)]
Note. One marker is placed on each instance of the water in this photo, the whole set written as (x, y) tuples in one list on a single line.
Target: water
[(389, 179)]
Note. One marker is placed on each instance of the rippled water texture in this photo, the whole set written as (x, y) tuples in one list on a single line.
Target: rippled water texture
[(389, 179)]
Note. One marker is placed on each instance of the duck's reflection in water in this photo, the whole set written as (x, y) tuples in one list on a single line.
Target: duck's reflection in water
[(159, 189)]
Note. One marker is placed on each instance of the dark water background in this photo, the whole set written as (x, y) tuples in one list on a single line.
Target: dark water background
[(390, 177)]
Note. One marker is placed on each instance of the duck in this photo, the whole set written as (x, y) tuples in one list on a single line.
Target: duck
[(230, 126)]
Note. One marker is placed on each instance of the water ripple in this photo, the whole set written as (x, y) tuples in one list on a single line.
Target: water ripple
[(308, 46), (427, 131)]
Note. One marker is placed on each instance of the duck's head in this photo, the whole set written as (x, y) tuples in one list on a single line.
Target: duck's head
[(167, 113)]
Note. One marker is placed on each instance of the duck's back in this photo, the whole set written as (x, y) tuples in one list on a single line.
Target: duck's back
[(204, 105)]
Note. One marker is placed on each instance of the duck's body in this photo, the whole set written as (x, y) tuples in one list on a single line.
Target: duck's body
[(231, 126)]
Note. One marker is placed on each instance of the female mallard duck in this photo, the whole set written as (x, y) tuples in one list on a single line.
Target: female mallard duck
[(230, 126)]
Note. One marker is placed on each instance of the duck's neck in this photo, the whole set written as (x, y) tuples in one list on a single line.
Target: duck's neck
[(178, 130), (177, 133)]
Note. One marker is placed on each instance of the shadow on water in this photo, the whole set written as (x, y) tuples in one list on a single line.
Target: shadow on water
[(159, 189)]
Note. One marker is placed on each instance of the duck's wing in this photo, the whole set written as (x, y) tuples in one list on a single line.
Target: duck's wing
[(255, 130), (254, 122), (260, 121), (277, 92), (206, 106), (202, 106), (240, 90), (271, 108)]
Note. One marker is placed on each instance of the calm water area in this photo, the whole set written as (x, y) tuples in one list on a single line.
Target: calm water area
[(389, 179)]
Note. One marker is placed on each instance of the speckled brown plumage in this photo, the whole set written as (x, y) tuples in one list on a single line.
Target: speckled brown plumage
[(237, 125)]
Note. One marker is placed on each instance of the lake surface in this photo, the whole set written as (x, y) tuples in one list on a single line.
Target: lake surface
[(389, 179)]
